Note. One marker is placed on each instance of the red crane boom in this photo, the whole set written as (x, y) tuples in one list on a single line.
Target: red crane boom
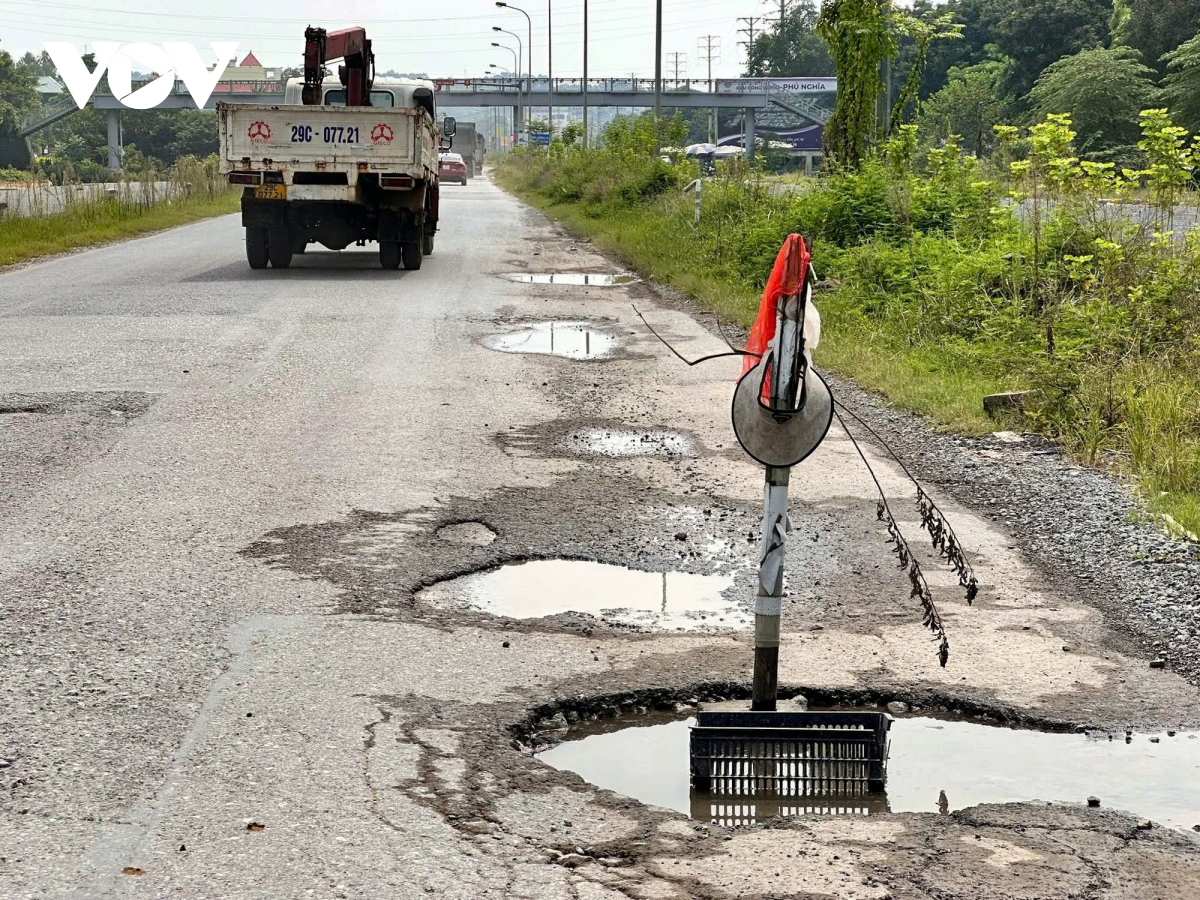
[(350, 45)]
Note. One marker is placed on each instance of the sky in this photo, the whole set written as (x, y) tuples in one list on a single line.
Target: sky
[(407, 36)]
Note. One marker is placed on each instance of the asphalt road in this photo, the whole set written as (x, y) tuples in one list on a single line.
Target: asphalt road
[(221, 494)]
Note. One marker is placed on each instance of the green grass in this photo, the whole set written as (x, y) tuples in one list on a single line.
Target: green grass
[(91, 222)]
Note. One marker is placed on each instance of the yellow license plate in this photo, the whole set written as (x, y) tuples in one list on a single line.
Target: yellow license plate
[(271, 192)]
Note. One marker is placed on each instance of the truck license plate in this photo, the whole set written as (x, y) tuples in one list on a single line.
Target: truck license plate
[(271, 192)]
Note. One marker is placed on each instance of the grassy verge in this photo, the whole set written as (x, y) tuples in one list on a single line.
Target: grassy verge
[(917, 379), (938, 294), (91, 222)]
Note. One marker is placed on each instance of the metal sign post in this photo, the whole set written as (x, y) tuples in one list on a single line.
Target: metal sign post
[(787, 349)]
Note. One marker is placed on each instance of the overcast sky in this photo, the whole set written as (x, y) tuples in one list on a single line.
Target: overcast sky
[(408, 36)]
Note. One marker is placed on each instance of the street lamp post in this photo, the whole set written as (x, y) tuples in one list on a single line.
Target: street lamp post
[(585, 49), (519, 52), (657, 73), (517, 66), (529, 58)]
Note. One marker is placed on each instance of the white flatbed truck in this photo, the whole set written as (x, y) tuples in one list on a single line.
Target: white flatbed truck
[(334, 174)]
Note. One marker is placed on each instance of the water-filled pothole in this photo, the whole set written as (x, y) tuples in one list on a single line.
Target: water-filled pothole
[(574, 340), (934, 766), (617, 442), (531, 590), (592, 279)]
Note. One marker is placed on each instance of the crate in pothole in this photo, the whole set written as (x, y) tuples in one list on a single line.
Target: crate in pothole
[(738, 754)]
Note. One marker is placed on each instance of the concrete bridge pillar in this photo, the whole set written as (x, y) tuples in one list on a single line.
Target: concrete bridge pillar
[(115, 143), (748, 131)]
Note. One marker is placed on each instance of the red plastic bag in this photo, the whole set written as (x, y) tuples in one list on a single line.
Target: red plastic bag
[(787, 280)]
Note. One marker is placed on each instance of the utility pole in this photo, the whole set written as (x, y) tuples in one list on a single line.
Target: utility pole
[(658, 58), (784, 5), (709, 48), (751, 31), (678, 60)]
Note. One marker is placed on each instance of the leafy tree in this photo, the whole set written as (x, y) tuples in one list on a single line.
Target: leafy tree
[(1156, 27), (860, 38), (38, 65), (1037, 33), (18, 92), (920, 33), (970, 105), (791, 47), (1181, 87), (1103, 91), (975, 46)]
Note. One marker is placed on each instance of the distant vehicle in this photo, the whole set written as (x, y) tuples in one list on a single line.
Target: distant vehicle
[(343, 160), (452, 168), (468, 143)]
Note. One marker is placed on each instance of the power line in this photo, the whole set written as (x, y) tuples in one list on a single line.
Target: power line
[(678, 60), (784, 7), (708, 50), (751, 31)]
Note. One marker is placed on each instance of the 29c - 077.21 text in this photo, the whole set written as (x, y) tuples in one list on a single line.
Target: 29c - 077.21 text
[(330, 134)]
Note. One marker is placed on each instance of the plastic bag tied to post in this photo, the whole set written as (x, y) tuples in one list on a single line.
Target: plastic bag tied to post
[(788, 277)]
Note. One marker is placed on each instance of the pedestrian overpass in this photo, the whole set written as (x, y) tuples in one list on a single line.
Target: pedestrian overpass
[(801, 97)]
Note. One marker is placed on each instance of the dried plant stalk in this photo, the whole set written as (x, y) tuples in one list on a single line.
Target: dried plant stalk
[(930, 617), (945, 541)]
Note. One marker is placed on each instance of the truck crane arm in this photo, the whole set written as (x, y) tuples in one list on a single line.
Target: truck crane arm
[(357, 74)]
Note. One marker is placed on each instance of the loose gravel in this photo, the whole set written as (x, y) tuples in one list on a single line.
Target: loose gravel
[(1080, 525)]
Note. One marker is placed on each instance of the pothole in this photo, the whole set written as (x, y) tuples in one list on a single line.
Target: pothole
[(467, 534), (934, 766), (592, 279), (670, 601), (616, 442), (573, 340)]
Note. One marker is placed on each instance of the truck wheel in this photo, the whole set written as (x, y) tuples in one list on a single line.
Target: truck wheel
[(279, 247), (256, 248), (389, 254), (427, 245), (411, 252)]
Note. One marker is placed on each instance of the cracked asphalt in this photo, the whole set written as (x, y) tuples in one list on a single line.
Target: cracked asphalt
[(223, 491)]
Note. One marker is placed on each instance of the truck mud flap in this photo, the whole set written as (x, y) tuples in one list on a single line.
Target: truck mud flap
[(263, 213), (399, 225)]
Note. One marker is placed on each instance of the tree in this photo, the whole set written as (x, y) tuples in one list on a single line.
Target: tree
[(1156, 27), (791, 47), (1103, 91), (976, 45), (860, 38), (1037, 33), (18, 92), (970, 104), (39, 65), (1181, 87)]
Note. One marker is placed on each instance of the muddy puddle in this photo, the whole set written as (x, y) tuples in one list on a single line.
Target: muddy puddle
[(934, 766), (616, 442), (591, 279), (573, 340), (668, 601)]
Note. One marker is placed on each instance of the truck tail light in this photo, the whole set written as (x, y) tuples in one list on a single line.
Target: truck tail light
[(396, 181), (245, 178)]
